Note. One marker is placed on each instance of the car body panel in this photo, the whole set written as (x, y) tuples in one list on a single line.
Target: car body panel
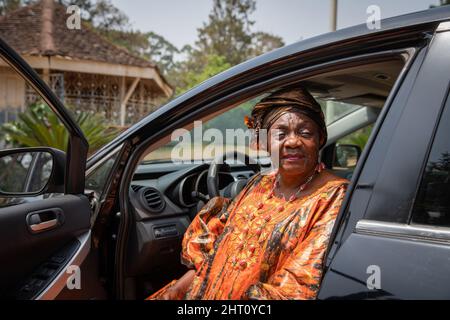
[(33, 264), (410, 268)]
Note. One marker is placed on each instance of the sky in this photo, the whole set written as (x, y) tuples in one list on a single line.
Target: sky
[(293, 20)]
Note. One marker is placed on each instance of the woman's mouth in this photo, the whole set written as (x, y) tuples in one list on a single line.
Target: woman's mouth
[(292, 157)]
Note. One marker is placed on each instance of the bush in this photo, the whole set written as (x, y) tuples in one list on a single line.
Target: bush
[(39, 126)]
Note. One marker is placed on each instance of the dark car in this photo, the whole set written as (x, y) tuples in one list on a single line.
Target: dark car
[(111, 226)]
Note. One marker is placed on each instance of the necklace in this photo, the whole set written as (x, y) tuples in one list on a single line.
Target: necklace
[(293, 197), (319, 168), (256, 227)]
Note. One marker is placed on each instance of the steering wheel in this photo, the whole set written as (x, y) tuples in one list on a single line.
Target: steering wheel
[(218, 164)]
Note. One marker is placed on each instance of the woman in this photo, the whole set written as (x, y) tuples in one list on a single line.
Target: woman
[(269, 242)]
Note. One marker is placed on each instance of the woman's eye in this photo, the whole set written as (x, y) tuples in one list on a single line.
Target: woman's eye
[(279, 134), (306, 134)]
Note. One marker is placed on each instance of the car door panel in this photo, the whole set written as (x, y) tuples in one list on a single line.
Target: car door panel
[(42, 235), (413, 279), (24, 251), (377, 234)]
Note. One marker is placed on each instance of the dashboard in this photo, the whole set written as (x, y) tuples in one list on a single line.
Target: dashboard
[(165, 198), (166, 189)]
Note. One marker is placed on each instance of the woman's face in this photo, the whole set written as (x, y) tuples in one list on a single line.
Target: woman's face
[(294, 141)]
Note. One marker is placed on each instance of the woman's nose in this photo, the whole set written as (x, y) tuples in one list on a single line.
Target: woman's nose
[(293, 140)]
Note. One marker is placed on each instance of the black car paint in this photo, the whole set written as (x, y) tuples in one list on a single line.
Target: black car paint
[(385, 191)]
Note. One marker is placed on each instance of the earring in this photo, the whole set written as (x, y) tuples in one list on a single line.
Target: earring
[(320, 167)]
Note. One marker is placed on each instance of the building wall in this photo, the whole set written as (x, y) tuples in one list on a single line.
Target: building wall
[(12, 94)]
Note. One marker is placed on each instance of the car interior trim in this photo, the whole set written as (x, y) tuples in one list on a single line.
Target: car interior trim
[(58, 284), (103, 160)]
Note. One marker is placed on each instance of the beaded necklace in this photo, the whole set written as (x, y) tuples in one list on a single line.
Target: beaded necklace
[(276, 184)]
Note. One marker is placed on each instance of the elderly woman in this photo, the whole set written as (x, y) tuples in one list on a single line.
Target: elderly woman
[(270, 241)]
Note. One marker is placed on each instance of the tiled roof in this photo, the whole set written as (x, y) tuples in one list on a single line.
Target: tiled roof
[(41, 30)]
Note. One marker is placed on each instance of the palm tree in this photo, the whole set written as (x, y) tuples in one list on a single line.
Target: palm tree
[(39, 126)]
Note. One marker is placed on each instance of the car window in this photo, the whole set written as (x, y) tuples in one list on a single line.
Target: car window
[(432, 205), (347, 152), (218, 126), (96, 179), (335, 110), (234, 119), (25, 121), (340, 93)]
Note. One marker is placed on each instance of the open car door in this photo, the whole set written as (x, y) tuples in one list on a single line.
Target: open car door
[(45, 223)]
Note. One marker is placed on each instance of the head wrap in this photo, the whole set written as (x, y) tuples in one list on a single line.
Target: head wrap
[(292, 99)]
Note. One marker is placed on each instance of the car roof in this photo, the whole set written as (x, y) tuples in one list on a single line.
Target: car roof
[(433, 15)]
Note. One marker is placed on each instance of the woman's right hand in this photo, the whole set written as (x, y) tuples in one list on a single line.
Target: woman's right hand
[(178, 290), (171, 293)]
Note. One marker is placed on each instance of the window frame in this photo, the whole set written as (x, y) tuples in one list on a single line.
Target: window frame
[(432, 65), (445, 110)]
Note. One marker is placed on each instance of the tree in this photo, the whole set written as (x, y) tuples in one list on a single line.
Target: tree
[(227, 34), (11, 5), (213, 64), (162, 52), (102, 14), (114, 25), (38, 126), (263, 42)]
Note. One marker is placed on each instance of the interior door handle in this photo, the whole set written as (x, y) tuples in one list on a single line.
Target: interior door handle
[(44, 220), (38, 227)]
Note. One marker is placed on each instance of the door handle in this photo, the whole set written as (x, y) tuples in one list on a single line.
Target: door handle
[(44, 220), (39, 227)]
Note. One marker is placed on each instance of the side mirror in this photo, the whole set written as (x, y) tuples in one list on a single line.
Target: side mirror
[(31, 172), (346, 156)]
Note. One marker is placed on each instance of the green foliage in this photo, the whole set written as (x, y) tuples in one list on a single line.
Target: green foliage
[(224, 41), (101, 14), (213, 65), (9, 5), (148, 45), (441, 3), (39, 126), (358, 138), (232, 119), (227, 35)]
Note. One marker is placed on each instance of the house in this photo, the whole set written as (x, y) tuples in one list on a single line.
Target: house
[(86, 71)]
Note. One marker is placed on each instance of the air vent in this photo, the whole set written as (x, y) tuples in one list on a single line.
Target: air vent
[(136, 188), (153, 199)]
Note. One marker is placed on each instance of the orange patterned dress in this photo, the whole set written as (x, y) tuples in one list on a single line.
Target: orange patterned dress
[(260, 247)]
